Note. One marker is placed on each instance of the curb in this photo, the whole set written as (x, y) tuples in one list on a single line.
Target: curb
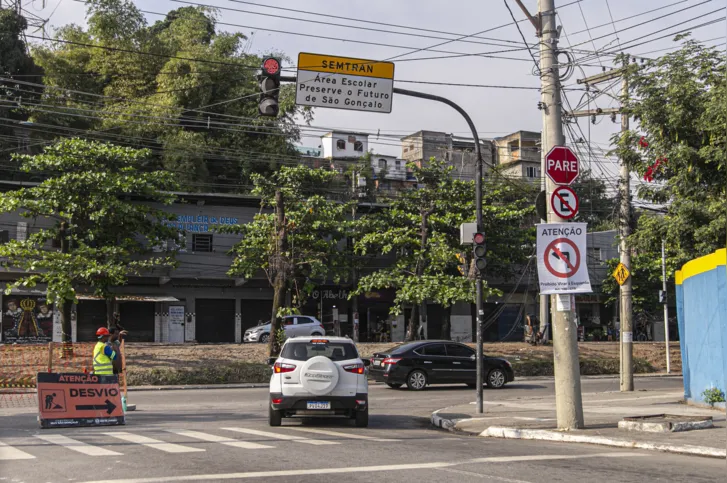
[(602, 376), (197, 387), (544, 435)]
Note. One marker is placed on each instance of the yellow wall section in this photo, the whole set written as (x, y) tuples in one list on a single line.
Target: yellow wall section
[(701, 265), (345, 65)]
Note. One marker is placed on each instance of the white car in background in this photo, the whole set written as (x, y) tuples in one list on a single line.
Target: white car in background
[(319, 377), (294, 325)]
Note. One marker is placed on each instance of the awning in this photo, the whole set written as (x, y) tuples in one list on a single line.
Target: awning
[(133, 298)]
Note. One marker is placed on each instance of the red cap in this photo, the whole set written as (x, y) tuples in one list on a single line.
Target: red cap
[(102, 331)]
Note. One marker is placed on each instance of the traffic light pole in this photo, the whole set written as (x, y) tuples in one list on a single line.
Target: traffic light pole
[(478, 217)]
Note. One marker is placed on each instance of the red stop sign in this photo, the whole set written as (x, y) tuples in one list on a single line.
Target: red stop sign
[(561, 165)]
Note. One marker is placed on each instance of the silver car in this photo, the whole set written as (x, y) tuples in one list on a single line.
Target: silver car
[(294, 325)]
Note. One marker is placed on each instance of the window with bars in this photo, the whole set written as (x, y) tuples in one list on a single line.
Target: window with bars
[(201, 243)]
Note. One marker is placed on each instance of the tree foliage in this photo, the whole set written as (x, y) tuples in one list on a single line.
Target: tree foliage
[(90, 205), (180, 87), (295, 238), (679, 142), (14, 61), (420, 228)]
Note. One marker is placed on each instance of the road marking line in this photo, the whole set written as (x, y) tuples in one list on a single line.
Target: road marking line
[(284, 437), (361, 469), (10, 453), (219, 439), (480, 475), (341, 435), (153, 443), (75, 445)]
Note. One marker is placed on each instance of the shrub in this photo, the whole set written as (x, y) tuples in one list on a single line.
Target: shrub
[(713, 395)]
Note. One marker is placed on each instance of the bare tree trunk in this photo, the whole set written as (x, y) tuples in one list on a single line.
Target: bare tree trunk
[(110, 302), (66, 308), (280, 268), (446, 325), (413, 321), (424, 230), (66, 305)]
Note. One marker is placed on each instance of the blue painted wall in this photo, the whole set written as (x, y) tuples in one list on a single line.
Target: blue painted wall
[(702, 319)]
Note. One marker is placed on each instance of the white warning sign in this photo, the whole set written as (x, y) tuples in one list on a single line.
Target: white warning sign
[(562, 264)]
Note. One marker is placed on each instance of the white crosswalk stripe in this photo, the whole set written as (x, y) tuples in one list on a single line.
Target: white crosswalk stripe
[(10, 453), (340, 435), (76, 445), (153, 443), (219, 439), (283, 437)]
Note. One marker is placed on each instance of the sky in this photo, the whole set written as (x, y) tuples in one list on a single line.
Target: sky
[(587, 26)]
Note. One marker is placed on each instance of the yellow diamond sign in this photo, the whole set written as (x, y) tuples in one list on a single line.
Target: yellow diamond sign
[(621, 274)]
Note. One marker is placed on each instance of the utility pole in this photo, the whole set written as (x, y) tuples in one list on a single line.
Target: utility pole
[(568, 399), (627, 329), (625, 291), (354, 272), (666, 306)]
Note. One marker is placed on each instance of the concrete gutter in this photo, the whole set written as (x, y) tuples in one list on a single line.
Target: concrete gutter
[(557, 436)]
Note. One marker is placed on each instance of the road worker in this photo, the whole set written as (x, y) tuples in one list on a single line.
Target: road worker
[(104, 355)]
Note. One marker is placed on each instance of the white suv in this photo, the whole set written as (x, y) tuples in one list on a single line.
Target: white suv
[(319, 377)]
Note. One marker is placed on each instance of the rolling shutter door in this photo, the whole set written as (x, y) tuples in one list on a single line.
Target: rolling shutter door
[(90, 315), (215, 320), (138, 319)]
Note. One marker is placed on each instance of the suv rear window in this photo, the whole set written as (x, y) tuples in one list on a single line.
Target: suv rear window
[(335, 351)]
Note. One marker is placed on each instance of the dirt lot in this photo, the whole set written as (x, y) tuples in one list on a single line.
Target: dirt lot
[(151, 356), (231, 363)]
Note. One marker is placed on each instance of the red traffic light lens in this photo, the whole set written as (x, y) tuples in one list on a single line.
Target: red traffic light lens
[(271, 66), (479, 238)]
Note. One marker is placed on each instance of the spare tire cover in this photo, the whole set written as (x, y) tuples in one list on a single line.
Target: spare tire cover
[(319, 375)]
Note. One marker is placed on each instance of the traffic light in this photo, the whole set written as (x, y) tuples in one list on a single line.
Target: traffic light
[(480, 250), (269, 87)]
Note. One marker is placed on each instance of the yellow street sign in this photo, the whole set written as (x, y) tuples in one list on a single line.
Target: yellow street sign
[(345, 65), (621, 274)]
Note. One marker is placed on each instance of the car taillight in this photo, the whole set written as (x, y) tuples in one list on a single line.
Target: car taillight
[(277, 400), (390, 360), (281, 367), (354, 368)]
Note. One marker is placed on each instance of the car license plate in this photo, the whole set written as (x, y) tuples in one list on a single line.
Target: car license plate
[(318, 405), (377, 363)]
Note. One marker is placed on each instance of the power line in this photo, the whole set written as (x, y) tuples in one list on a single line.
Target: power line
[(523, 36)]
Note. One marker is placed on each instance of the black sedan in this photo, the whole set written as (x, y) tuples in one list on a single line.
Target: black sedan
[(420, 363)]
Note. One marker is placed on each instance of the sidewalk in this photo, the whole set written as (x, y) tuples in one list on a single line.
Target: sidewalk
[(535, 418)]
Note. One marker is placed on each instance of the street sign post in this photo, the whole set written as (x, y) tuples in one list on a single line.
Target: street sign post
[(344, 83), (561, 165), (562, 265), (564, 202), (621, 274)]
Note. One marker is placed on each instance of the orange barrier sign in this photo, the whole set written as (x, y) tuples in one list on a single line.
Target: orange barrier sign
[(79, 400)]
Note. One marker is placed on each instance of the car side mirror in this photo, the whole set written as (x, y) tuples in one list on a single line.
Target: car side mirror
[(366, 362), (271, 361)]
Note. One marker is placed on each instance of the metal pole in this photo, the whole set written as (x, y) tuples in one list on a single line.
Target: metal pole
[(666, 307), (627, 328), (354, 272), (478, 216), (568, 399)]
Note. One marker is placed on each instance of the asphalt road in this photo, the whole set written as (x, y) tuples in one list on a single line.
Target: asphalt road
[(222, 435)]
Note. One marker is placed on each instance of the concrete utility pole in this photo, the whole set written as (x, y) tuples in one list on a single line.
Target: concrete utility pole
[(627, 328), (568, 399), (666, 306)]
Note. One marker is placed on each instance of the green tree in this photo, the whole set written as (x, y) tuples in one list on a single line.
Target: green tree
[(98, 202), (187, 91), (596, 206), (14, 61), (420, 227), (679, 144), (295, 239)]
